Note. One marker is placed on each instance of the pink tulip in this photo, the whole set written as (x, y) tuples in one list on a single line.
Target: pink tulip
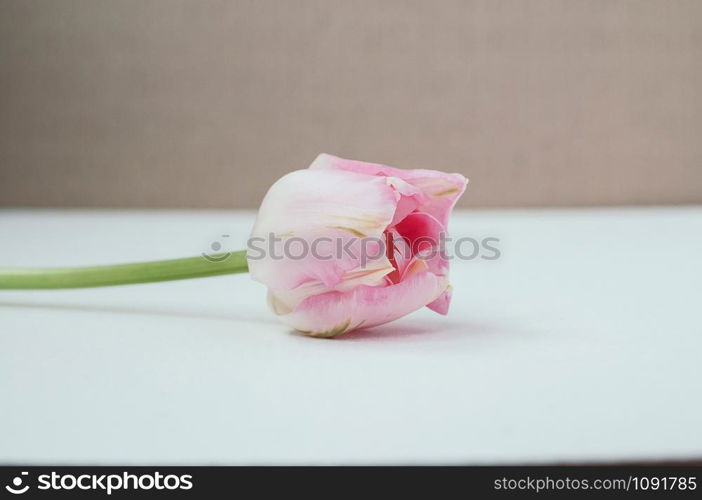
[(369, 209)]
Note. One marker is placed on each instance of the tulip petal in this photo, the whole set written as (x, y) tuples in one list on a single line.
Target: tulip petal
[(441, 189), (423, 234), (411, 197), (336, 208), (441, 305), (332, 313), (284, 301)]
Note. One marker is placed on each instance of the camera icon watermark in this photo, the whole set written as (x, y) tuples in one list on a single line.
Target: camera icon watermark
[(17, 488), (216, 254)]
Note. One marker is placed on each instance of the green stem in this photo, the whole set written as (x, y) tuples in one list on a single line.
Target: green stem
[(123, 274)]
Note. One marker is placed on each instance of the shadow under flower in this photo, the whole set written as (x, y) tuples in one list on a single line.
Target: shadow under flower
[(405, 330)]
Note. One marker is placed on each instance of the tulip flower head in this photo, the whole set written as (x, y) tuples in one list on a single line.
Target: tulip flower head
[(359, 244)]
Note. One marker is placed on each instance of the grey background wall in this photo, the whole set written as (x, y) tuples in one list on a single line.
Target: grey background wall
[(167, 103)]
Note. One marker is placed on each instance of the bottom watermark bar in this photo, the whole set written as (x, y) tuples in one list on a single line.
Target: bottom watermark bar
[(221, 482)]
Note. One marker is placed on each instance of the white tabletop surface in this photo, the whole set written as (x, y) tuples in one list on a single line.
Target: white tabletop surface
[(581, 343)]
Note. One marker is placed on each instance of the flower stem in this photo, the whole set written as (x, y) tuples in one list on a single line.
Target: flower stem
[(123, 274)]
